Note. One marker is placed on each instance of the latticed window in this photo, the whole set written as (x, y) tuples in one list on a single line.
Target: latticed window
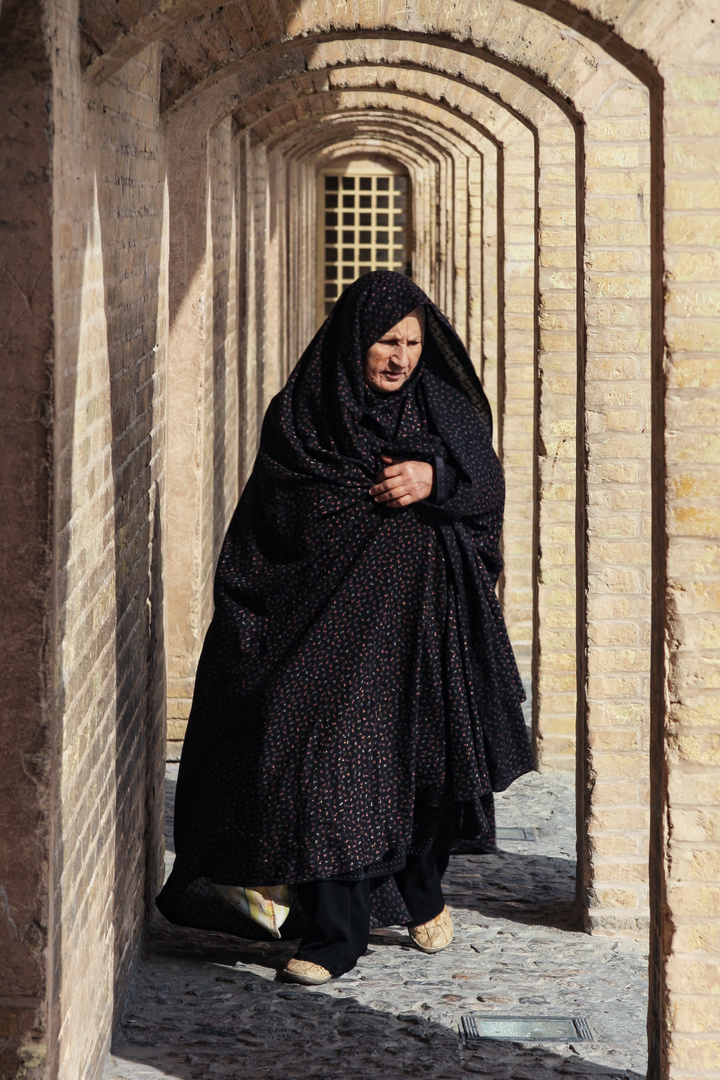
[(364, 226)]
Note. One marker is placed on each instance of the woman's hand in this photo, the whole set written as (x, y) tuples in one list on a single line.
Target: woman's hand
[(402, 483)]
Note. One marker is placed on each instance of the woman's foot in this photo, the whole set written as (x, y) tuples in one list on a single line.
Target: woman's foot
[(433, 936), (305, 973)]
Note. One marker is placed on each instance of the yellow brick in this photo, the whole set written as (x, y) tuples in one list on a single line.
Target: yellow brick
[(694, 789), (615, 793), (628, 818), (693, 669), (558, 744), (612, 157), (691, 194), (560, 639), (694, 865), (564, 280), (617, 235), (625, 260), (702, 712), (179, 708), (698, 749), (617, 208), (693, 1014), (619, 286), (605, 660), (616, 871), (612, 368), (617, 183), (562, 761), (176, 729), (703, 86), (558, 683), (180, 687), (693, 373), (696, 1054), (692, 558), (693, 157), (553, 610), (611, 471), (631, 129), (558, 258), (688, 230), (557, 725), (696, 936), (693, 335), (620, 499), (694, 483), (560, 216), (618, 340), (691, 899), (611, 846), (615, 898), (609, 739), (691, 976)]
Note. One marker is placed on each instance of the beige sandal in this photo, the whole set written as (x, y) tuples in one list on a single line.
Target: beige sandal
[(305, 973), (433, 936)]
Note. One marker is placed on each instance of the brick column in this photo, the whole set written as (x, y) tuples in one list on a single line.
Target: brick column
[(190, 409), (613, 747), (685, 963), (27, 737)]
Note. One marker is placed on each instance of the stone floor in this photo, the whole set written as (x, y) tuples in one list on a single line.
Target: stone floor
[(206, 1005)]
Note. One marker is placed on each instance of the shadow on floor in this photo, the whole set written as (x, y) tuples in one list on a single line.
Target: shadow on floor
[(198, 1016), (534, 889)]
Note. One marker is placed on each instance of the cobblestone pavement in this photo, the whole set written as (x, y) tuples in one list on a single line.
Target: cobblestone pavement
[(208, 1006)]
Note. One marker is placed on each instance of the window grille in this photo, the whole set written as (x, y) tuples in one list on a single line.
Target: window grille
[(363, 225)]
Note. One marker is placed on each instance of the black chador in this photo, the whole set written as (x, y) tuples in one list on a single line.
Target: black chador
[(357, 699)]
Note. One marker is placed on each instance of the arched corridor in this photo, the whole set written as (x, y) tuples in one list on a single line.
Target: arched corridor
[(162, 237)]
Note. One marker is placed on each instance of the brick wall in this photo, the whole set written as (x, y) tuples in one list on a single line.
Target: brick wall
[(26, 403), (204, 392), (686, 750), (110, 233)]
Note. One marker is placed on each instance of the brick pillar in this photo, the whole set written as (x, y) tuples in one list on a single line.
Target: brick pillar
[(684, 1024), (26, 404), (555, 675), (189, 425), (613, 747), (205, 394)]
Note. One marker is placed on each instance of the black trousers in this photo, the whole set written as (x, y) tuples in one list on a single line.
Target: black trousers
[(340, 911)]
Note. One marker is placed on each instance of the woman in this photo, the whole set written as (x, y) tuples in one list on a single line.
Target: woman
[(357, 701)]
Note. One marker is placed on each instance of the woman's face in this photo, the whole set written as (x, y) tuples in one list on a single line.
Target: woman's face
[(390, 362)]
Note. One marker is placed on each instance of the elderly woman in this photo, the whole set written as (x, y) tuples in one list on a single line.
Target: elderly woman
[(357, 700)]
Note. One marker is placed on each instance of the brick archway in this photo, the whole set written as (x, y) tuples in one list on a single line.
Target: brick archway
[(619, 109)]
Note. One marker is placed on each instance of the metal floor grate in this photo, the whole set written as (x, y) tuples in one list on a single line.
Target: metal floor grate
[(521, 1028), (515, 833)]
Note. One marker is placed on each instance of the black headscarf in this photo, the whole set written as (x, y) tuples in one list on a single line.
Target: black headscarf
[(357, 673)]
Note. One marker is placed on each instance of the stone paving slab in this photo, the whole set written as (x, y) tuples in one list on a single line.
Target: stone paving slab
[(208, 1005)]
